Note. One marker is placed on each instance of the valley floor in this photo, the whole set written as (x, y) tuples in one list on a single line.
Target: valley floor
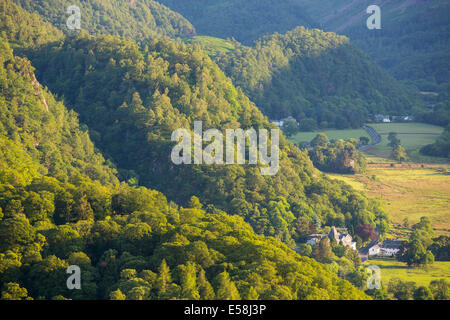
[(408, 190), (391, 268)]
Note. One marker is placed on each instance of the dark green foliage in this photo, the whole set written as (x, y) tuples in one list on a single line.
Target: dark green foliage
[(407, 290), (318, 78), (441, 148), (401, 290), (339, 156), (440, 289), (137, 19), (416, 252), (245, 21), (133, 99), (441, 248)]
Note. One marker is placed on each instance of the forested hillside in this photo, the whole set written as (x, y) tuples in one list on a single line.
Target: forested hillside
[(25, 29), (136, 19), (245, 21), (317, 77), (412, 43), (60, 205), (132, 99)]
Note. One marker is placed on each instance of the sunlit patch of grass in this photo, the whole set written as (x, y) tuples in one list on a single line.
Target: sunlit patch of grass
[(331, 134), (421, 276), (413, 137), (408, 191)]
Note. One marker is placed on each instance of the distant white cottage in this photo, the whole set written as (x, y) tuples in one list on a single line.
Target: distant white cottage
[(386, 248), (282, 121), (382, 118)]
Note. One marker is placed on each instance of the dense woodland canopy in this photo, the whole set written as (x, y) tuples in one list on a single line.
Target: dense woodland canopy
[(340, 156), (136, 19), (317, 77), (61, 205), (23, 28), (139, 226), (412, 43), (132, 99)]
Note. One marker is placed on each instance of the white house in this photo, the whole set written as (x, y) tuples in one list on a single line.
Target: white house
[(374, 250), (386, 248), (382, 118), (282, 121)]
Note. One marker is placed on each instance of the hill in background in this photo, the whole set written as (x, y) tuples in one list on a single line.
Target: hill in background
[(136, 19)]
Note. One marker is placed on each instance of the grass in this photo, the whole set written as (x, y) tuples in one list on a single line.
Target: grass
[(331, 134), (408, 191), (213, 46), (422, 277), (413, 136)]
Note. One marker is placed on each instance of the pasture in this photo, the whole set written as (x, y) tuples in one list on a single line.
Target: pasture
[(407, 191), (421, 276), (413, 136), (331, 134)]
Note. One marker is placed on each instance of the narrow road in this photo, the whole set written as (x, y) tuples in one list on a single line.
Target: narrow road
[(376, 138)]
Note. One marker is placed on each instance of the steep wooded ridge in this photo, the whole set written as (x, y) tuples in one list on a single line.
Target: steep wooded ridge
[(61, 205), (245, 21), (132, 99), (412, 43), (136, 19), (317, 77), (25, 29)]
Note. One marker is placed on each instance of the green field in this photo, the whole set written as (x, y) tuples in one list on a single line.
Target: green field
[(422, 277), (331, 134), (413, 136), (212, 45), (407, 191)]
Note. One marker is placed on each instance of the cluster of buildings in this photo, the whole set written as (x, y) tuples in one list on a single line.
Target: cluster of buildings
[(343, 238), (385, 248), (387, 119), (375, 248)]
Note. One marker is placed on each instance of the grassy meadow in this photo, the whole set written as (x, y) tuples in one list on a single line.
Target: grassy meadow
[(422, 277), (213, 46), (413, 136), (331, 134), (408, 191)]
